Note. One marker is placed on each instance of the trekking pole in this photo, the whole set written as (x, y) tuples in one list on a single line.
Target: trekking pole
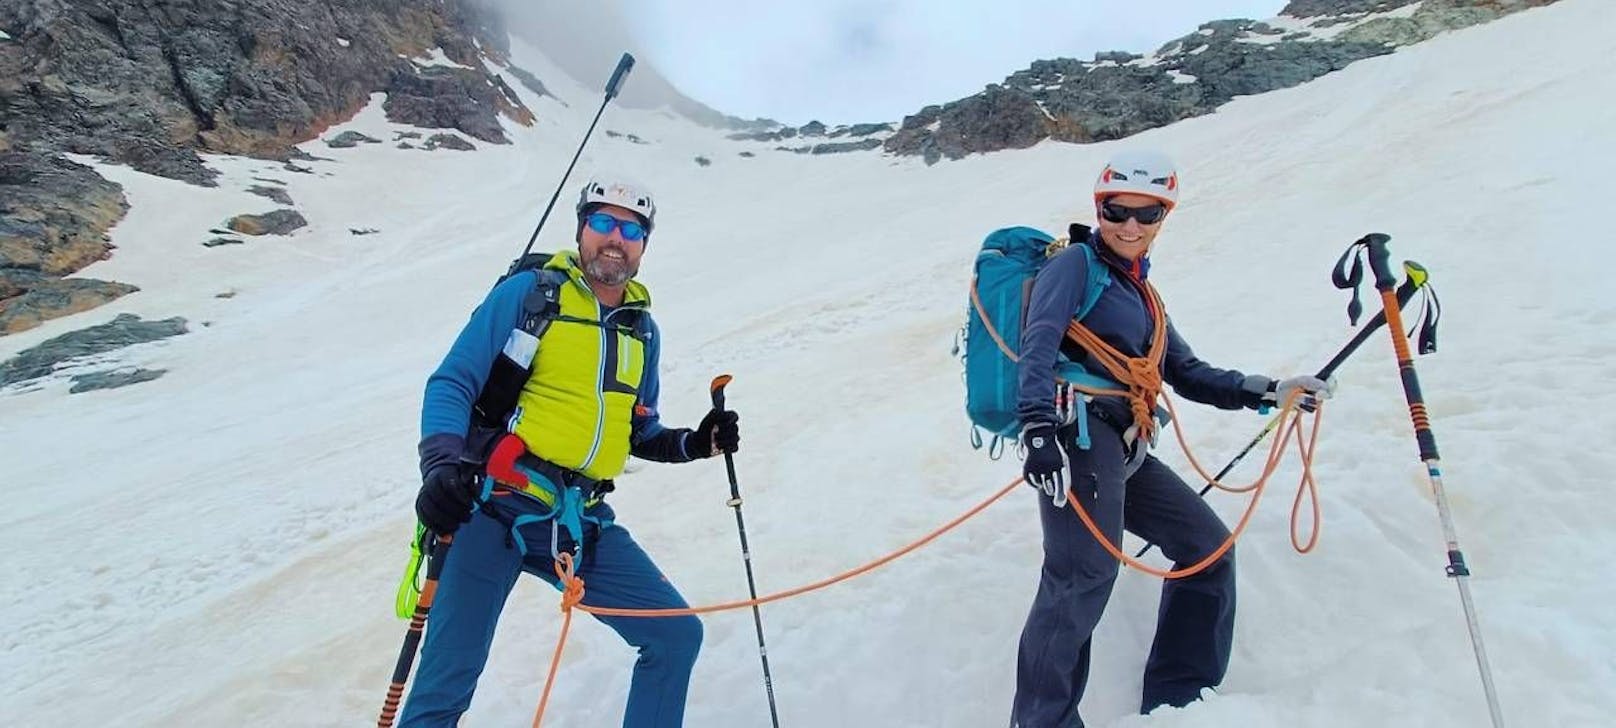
[(1375, 245), (1415, 281), (412, 637), (614, 85), (719, 382)]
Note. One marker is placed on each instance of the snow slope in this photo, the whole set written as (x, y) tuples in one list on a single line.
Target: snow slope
[(219, 546)]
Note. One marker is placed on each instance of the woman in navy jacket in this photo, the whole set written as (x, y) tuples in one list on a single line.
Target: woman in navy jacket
[(1115, 478)]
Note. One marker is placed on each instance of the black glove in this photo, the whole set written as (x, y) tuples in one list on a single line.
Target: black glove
[(446, 497), (1045, 468), (719, 431)]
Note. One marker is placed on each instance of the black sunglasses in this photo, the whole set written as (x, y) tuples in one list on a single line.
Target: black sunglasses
[(1147, 215)]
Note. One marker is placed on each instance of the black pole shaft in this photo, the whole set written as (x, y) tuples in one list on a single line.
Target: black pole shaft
[(624, 64), (1404, 294), (412, 637), (746, 555)]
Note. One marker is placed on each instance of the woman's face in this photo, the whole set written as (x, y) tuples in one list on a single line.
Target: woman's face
[(1130, 238)]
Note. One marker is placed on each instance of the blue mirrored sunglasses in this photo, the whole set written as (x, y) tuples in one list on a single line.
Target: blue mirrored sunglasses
[(603, 223)]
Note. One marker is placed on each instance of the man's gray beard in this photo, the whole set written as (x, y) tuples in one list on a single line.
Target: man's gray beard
[(608, 273)]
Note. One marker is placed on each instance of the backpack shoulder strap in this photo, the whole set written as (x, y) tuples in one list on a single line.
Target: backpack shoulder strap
[(1099, 275), (543, 303)]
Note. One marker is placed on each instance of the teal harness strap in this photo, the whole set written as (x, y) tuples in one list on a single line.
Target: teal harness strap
[(569, 513), (1083, 440)]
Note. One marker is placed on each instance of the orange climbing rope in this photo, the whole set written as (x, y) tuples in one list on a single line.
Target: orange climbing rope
[(573, 592), (573, 585), (1256, 489)]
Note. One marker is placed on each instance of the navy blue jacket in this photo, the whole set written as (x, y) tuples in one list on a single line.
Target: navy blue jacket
[(1119, 317)]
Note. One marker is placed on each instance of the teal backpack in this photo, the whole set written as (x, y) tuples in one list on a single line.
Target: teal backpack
[(990, 343)]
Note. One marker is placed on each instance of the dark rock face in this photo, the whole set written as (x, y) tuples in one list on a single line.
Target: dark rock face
[(125, 330), (439, 97), (57, 297), (276, 222), (530, 82), (53, 218), (112, 379), (53, 213), (350, 139), (449, 141), (274, 193), (139, 82), (1316, 8), (868, 129), (831, 147), (149, 84), (1119, 93)]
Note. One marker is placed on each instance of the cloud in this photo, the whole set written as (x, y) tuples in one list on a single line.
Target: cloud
[(864, 60)]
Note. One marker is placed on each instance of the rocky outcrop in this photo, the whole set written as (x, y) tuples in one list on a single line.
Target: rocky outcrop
[(275, 222), (112, 379), (1118, 94), (1339, 8), (442, 97), (274, 193), (531, 82), (811, 129), (53, 298), (1432, 17), (125, 330), (350, 139), (449, 141), (53, 218), (833, 147), (152, 84)]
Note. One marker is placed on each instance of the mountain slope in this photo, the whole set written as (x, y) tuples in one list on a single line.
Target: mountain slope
[(224, 541)]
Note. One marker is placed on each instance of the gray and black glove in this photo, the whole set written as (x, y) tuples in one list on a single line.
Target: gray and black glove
[(1046, 464)]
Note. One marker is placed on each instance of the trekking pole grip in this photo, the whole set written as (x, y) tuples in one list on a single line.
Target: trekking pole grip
[(717, 389), (1380, 260), (624, 65)]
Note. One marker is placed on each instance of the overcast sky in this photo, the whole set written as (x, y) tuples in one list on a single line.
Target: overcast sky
[(846, 61)]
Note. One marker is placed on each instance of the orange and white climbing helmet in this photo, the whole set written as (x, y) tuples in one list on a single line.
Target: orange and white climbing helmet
[(1140, 173)]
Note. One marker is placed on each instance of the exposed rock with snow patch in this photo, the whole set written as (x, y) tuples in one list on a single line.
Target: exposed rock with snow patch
[(350, 139), (449, 141), (113, 379), (125, 330), (1119, 93), (275, 222)]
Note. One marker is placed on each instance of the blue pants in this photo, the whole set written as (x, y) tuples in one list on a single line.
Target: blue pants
[(1195, 624), (478, 574)]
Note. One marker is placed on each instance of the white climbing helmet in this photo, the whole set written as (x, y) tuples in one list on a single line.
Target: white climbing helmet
[(1140, 173), (619, 191)]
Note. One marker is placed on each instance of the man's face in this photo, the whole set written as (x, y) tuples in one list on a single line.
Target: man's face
[(608, 258), (1130, 238)]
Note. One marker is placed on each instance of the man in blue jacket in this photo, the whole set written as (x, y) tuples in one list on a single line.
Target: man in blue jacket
[(1115, 478), (543, 469)]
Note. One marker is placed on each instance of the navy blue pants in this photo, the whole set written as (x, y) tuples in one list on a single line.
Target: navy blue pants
[(1195, 624), (478, 574)]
